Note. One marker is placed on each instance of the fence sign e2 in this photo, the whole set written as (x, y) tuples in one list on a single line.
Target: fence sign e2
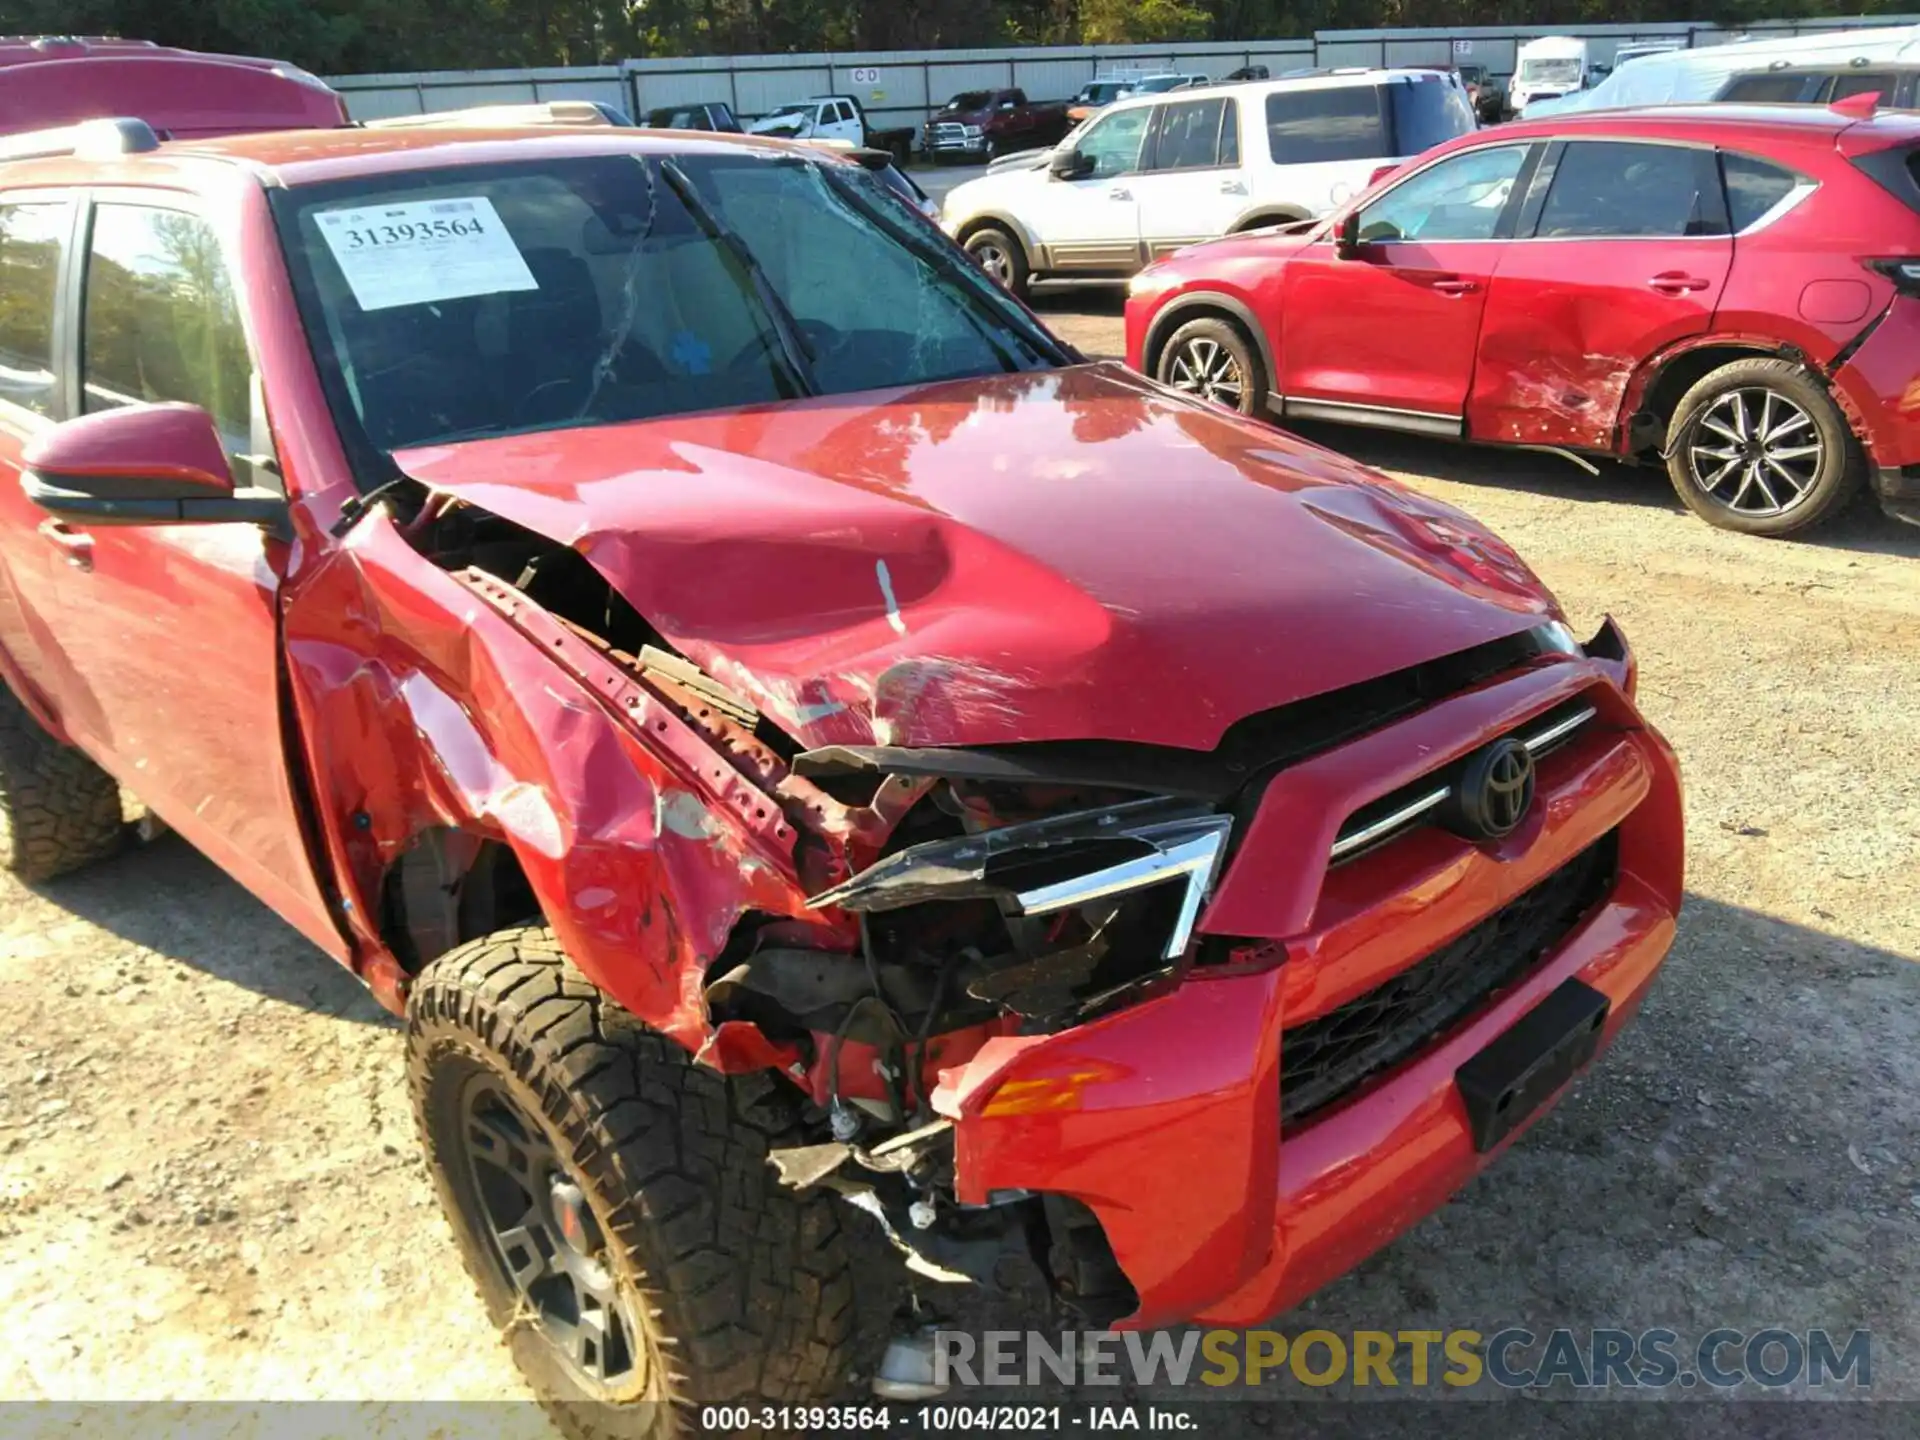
[(1462, 49)]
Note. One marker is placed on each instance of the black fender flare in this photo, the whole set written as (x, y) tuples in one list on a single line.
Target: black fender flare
[(1191, 305)]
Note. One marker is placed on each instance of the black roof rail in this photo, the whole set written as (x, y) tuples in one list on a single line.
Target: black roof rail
[(91, 139)]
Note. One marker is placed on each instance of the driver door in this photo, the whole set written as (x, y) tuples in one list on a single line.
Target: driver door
[(1386, 335), (1092, 222), (168, 636)]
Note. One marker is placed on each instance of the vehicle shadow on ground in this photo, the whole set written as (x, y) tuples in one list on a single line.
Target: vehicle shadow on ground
[(1863, 528), (1077, 298), (1742, 1157), (169, 898)]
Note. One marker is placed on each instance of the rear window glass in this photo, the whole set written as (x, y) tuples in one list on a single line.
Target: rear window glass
[(1754, 187), (1767, 89), (1315, 126), (1426, 113), (1855, 84)]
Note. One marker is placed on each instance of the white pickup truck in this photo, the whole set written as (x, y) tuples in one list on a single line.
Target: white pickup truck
[(832, 117)]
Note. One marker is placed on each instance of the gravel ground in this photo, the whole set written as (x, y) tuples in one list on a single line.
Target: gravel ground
[(208, 1182)]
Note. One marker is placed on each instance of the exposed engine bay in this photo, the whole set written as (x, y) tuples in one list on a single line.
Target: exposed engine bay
[(944, 897)]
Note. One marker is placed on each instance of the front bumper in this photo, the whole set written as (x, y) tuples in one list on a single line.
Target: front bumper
[(949, 144), (1165, 1118)]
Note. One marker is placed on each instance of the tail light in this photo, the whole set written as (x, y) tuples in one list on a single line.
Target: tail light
[(1905, 274)]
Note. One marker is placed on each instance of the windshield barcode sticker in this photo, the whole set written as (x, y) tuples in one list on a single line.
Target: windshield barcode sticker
[(414, 254)]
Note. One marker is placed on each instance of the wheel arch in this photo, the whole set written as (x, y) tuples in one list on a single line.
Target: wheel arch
[(450, 885), (991, 220), (1202, 305), (1268, 215), (1647, 404)]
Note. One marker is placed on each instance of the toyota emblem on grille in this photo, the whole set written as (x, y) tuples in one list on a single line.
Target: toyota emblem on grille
[(1495, 791)]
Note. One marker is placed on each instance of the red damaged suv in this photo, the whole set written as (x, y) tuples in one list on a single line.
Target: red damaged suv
[(785, 731), (1732, 291)]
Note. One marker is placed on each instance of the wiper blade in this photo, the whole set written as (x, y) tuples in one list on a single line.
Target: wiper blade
[(794, 348), (969, 278)]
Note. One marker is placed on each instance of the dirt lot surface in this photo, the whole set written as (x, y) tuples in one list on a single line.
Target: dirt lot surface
[(208, 1182)]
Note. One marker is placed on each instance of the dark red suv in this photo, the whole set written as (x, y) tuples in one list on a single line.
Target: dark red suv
[(1728, 290)]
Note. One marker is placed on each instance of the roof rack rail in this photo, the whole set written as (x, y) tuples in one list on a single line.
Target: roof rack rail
[(535, 112), (90, 139)]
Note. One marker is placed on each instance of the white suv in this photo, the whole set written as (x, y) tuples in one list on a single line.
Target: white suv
[(1153, 173)]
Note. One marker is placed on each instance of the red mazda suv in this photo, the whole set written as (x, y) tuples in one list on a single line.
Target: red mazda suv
[(1728, 290)]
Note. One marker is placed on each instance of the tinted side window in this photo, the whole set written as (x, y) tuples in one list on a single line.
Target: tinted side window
[(1754, 187), (1189, 136), (1309, 127), (1615, 188), (1768, 89), (1857, 84), (30, 239), (1230, 133), (1460, 198), (1427, 112), (161, 321), (1113, 143)]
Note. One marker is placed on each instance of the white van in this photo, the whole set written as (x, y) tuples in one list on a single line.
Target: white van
[(1703, 74), (1546, 69), (1153, 173)]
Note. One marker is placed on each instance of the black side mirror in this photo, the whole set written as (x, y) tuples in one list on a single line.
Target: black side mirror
[(1346, 236), (1070, 165)]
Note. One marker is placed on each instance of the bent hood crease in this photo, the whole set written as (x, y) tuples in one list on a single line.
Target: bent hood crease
[(1072, 554)]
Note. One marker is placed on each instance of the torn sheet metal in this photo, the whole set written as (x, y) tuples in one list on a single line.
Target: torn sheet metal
[(1054, 864), (422, 705)]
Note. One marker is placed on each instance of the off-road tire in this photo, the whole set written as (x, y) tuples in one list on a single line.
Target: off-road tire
[(743, 1288), (58, 810), (992, 239), (1842, 473), (1227, 340)]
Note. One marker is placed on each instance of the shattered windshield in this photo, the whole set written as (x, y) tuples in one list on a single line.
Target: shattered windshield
[(498, 299)]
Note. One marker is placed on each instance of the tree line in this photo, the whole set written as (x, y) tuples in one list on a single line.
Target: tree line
[(358, 36)]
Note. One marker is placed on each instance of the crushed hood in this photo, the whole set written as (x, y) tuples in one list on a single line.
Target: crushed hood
[(1072, 554)]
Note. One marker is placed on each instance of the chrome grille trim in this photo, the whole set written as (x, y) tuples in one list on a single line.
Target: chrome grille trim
[(1539, 742)]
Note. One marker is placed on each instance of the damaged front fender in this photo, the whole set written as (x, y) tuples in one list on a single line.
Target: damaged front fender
[(424, 706)]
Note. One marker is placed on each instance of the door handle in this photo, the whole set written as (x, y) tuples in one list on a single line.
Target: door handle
[(1119, 192), (77, 544), (1675, 282), (1455, 286)]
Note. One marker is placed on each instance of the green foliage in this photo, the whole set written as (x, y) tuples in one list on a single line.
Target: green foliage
[(357, 36)]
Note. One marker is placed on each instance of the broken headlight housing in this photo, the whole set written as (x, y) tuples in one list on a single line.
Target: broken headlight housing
[(1098, 901)]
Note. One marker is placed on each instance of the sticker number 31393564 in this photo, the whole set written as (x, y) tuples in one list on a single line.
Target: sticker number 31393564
[(423, 251)]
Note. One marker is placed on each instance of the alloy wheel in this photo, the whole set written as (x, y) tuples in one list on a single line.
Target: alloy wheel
[(1756, 452), (995, 261), (1208, 369), (549, 1245)]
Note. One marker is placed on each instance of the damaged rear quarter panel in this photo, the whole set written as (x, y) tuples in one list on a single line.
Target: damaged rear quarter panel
[(422, 706)]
